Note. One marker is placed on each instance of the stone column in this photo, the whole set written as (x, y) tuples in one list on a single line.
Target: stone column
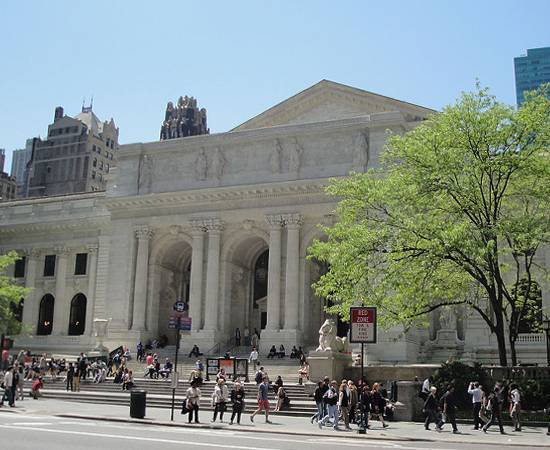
[(274, 273), (214, 228), (90, 304), (30, 307), (197, 261), (143, 235), (61, 310), (293, 223)]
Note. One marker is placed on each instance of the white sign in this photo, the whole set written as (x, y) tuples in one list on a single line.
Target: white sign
[(363, 325)]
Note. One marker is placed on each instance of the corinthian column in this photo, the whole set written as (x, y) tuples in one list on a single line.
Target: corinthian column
[(274, 273), (143, 235), (214, 228), (30, 319), (90, 306), (293, 223), (61, 310), (197, 261)]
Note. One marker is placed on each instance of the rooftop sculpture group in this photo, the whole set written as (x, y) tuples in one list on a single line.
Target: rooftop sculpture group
[(183, 120)]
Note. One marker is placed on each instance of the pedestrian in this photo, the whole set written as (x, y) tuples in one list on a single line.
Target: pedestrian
[(237, 398), (449, 402), (253, 358), (318, 397), (237, 337), (477, 400), (193, 395), (494, 404), (343, 404), (364, 405), (139, 353), (331, 400), (76, 377), (353, 400), (515, 406), (20, 382), (35, 388), (263, 401), (8, 387), (70, 376), (378, 404), (431, 410), (259, 376), (219, 399), (425, 388), (281, 397)]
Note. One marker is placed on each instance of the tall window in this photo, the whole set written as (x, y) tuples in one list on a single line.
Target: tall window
[(20, 268), (45, 315), (80, 263), (49, 266), (77, 319)]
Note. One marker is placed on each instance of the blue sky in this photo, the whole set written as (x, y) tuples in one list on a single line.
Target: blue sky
[(238, 58)]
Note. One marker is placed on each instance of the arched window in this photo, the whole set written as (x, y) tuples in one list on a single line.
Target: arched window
[(77, 320), (45, 315)]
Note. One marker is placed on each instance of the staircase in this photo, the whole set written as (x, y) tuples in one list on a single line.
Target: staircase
[(159, 394)]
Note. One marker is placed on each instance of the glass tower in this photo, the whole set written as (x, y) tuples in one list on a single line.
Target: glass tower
[(531, 71)]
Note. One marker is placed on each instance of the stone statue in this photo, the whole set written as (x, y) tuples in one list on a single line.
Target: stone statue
[(185, 119), (201, 165), (361, 152), (446, 319), (328, 341), (145, 177), (295, 156), (275, 157), (218, 163)]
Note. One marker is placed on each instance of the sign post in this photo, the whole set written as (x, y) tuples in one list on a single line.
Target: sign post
[(363, 328), (180, 321)]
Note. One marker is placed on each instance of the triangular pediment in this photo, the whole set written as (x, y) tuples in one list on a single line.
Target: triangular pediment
[(328, 100)]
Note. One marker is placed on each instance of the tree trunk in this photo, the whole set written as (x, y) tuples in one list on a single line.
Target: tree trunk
[(513, 353), (501, 339)]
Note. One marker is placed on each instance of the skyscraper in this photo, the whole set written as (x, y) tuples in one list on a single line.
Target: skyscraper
[(531, 71), (19, 161)]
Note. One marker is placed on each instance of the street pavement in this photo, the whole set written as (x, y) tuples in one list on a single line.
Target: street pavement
[(48, 423)]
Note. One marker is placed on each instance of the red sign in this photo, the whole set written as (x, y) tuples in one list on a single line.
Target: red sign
[(363, 325)]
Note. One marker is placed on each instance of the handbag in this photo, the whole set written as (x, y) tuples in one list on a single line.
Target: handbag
[(184, 408)]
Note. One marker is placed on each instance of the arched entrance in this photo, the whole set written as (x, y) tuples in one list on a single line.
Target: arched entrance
[(45, 315), (77, 318)]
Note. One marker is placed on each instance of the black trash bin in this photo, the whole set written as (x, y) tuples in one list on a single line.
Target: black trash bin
[(138, 400)]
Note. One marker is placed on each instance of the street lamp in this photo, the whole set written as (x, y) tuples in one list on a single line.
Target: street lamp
[(546, 328)]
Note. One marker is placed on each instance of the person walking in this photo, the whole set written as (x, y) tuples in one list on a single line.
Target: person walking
[(219, 399), (353, 400), (318, 397), (193, 395), (378, 404), (425, 389), (477, 400), (20, 382), (331, 400), (263, 401), (8, 387), (343, 404), (237, 398), (70, 377), (431, 410), (449, 402), (253, 358), (515, 406), (237, 337), (494, 404), (364, 405)]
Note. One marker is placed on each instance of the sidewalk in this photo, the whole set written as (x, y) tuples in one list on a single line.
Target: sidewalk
[(398, 431)]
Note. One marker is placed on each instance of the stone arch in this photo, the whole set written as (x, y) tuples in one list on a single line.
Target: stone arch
[(169, 259), (77, 315), (45, 315), (239, 254)]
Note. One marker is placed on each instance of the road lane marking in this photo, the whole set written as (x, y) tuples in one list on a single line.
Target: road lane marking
[(136, 438)]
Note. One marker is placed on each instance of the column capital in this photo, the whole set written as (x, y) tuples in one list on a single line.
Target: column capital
[(143, 232), (92, 248), (213, 225), (293, 221), (274, 221), (61, 250)]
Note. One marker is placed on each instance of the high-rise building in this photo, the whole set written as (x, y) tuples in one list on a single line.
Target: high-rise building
[(76, 156), (19, 161), (531, 71), (7, 182)]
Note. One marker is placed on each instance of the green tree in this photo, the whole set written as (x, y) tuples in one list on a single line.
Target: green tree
[(455, 215), (10, 296)]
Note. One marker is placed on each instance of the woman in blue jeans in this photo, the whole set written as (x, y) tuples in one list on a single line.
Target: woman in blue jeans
[(318, 396), (331, 400)]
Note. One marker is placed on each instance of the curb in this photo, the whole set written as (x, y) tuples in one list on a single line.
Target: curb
[(293, 433)]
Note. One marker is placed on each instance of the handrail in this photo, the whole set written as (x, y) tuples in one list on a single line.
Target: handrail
[(214, 350)]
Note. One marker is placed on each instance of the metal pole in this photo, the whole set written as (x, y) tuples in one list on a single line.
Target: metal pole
[(175, 371), (547, 331), (362, 361)]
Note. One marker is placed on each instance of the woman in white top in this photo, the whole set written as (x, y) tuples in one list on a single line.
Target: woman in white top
[(515, 406), (193, 396), (219, 399)]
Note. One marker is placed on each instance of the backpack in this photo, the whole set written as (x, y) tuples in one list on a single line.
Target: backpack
[(258, 378)]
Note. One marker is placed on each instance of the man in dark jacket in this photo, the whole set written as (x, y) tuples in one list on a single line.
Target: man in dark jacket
[(365, 399), (431, 410), (494, 405), (449, 403)]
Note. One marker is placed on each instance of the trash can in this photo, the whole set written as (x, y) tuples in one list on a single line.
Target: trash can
[(138, 400)]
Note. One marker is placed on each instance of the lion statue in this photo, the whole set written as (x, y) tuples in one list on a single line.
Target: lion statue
[(328, 341)]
